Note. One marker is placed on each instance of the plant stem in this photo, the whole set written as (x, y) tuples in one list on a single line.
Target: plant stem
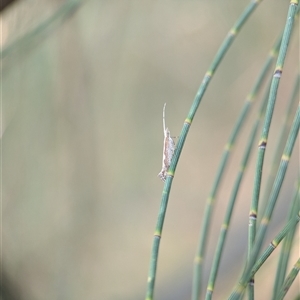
[(286, 246), (184, 132), (280, 142), (265, 132), (289, 280), (198, 261), (271, 204), (227, 218), (252, 268)]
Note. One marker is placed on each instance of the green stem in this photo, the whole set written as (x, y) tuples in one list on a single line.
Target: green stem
[(265, 132), (227, 218), (280, 142), (271, 204), (252, 268), (289, 280), (286, 247), (184, 132), (198, 261)]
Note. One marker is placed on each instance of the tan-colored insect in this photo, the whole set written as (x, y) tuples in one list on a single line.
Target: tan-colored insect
[(168, 150)]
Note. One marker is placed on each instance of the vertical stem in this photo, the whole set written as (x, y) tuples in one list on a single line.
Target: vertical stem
[(198, 261), (226, 221), (286, 247), (239, 290), (279, 146), (289, 280), (265, 132), (157, 238), (184, 132)]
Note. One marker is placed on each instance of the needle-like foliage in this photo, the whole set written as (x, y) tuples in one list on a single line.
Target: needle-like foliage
[(257, 231)]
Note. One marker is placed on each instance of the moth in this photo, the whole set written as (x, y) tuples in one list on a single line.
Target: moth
[(168, 149)]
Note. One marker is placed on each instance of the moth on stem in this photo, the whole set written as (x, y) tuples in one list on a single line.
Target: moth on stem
[(168, 150)]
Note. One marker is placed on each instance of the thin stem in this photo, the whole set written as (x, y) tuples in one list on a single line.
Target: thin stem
[(286, 247), (251, 268), (289, 280), (234, 193), (198, 261), (288, 228), (184, 132), (226, 222), (280, 142), (271, 203), (265, 132), (278, 180)]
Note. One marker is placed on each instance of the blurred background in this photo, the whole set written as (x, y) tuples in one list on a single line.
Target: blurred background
[(83, 87)]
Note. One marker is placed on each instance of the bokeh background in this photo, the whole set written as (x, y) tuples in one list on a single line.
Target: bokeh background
[(82, 144)]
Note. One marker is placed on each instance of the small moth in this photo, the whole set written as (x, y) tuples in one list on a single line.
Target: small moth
[(168, 150)]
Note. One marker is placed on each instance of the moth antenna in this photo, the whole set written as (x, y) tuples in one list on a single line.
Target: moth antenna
[(164, 121)]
